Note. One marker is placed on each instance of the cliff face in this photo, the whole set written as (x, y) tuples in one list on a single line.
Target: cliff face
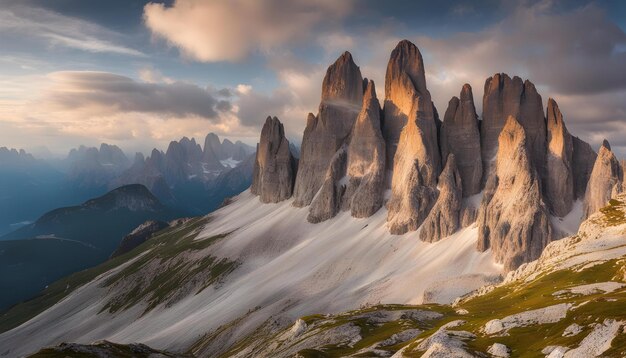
[(460, 136), (605, 182), (274, 167), (410, 131), (366, 160), (559, 181), (513, 220), (356, 157), (342, 97)]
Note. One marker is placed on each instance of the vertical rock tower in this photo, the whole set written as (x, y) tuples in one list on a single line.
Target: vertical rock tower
[(342, 97), (274, 167)]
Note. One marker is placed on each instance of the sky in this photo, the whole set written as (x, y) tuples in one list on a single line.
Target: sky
[(139, 74)]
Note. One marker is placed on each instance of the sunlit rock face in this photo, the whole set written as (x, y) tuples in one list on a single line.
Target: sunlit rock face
[(408, 99), (274, 167), (605, 182), (342, 97), (460, 136), (366, 160), (513, 220), (505, 96), (444, 218), (559, 181), (410, 131)]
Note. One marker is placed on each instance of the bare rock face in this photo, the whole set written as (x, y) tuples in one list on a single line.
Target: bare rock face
[(559, 181), (513, 220), (605, 182), (366, 160), (327, 201), (444, 218), (460, 136), (409, 123), (505, 96), (274, 167), (407, 99), (342, 97), (584, 159)]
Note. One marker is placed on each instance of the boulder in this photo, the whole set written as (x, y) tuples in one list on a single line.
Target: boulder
[(605, 182), (274, 167), (513, 220), (460, 136)]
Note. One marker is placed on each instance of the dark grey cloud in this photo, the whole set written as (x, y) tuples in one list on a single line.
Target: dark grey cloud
[(580, 51), (76, 90)]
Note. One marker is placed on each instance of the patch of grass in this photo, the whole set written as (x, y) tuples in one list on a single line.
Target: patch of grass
[(614, 213), (173, 270)]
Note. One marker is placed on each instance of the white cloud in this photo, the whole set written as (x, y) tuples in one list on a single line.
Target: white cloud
[(229, 30), (60, 30)]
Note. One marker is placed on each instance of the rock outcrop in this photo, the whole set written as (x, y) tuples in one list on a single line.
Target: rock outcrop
[(342, 97), (559, 180), (366, 160), (274, 167), (583, 159), (407, 100), (505, 96), (605, 182), (444, 218), (327, 201), (410, 131), (460, 136), (513, 220)]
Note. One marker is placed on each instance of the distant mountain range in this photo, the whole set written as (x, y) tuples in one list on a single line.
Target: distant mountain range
[(72, 238), (186, 176)]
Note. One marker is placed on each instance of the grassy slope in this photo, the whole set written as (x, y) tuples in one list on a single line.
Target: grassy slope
[(166, 245)]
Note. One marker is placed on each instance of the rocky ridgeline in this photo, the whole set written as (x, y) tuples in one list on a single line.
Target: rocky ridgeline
[(523, 160)]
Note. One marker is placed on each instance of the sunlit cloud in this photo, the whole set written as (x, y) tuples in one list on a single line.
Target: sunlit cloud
[(229, 30)]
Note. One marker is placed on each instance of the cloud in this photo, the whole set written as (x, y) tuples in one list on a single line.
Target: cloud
[(60, 30), (107, 93), (229, 30)]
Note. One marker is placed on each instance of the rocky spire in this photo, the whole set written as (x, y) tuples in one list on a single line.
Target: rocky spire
[(274, 171), (366, 159), (559, 181), (410, 132), (407, 98), (605, 182), (503, 97), (583, 159), (444, 218), (210, 154), (342, 97), (460, 136), (513, 220)]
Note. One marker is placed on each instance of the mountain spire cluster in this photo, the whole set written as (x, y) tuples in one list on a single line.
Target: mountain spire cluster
[(509, 172)]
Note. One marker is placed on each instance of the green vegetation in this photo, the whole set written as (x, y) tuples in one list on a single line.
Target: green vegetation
[(164, 250), (614, 213), (172, 270)]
